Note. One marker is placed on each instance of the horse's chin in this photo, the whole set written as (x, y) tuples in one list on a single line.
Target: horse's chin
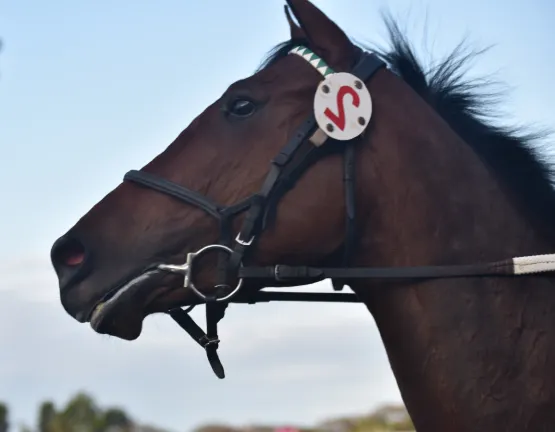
[(122, 314)]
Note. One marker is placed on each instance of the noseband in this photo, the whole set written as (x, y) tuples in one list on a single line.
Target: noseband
[(311, 142)]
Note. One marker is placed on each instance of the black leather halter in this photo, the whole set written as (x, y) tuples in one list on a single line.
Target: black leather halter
[(307, 145)]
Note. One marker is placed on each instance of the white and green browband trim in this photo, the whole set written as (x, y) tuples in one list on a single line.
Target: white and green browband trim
[(316, 61)]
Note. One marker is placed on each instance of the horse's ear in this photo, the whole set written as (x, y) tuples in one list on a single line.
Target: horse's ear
[(296, 31), (325, 37)]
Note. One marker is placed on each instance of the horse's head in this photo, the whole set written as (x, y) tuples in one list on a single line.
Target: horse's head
[(107, 258)]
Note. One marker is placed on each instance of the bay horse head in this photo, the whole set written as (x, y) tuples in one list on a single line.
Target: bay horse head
[(222, 157), (266, 175)]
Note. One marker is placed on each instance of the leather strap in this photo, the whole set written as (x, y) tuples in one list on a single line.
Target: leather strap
[(209, 341), (285, 273)]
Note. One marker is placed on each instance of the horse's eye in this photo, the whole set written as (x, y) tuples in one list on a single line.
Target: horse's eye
[(242, 108)]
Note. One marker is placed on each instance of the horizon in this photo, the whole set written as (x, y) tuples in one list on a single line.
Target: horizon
[(89, 91)]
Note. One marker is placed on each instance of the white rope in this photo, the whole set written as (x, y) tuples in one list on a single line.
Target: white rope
[(534, 264)]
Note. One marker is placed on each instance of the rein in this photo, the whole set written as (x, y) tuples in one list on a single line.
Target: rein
[(314, 139)]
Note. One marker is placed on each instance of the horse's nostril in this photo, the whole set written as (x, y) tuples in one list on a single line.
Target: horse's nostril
[(67, 252)]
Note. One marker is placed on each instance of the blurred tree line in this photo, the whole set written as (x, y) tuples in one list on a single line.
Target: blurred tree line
[(388, 418), (82, 414)]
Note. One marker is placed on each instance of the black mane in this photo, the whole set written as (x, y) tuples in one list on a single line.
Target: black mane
[(468, 106)]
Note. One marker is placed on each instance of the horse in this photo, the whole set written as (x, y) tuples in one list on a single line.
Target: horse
[(336, 162)]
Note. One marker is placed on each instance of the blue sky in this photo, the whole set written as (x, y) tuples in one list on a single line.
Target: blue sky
[(89, 90)]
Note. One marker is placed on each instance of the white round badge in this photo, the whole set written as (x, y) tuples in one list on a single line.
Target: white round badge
[(342, 106)]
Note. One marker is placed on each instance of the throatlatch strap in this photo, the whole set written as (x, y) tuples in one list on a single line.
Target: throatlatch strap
[(350, 210)]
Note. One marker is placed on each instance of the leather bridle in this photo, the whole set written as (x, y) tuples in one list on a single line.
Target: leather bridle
[(308, 144)]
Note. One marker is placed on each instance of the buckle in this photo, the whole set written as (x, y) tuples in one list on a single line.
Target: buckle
[(277, 273), (207, 341), (243, 242)]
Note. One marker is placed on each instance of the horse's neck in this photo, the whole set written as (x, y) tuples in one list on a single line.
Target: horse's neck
[(472, 354)]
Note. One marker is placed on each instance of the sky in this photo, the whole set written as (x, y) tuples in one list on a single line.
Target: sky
[(89, 90)]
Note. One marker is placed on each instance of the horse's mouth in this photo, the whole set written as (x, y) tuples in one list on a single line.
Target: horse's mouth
[(120, 313)]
